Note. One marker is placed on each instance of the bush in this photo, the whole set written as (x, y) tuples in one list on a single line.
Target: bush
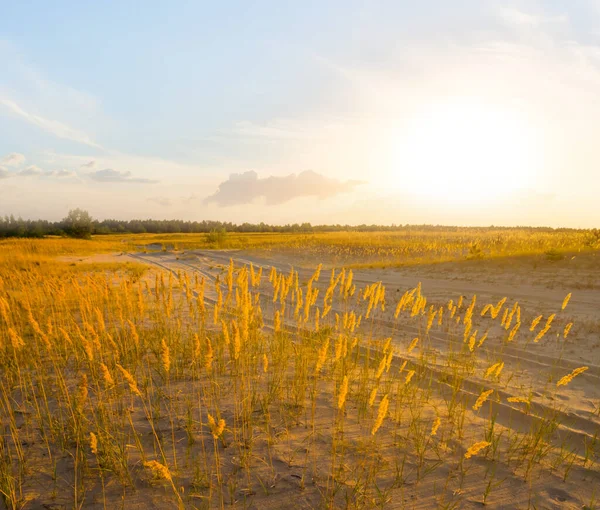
[(216, 237)]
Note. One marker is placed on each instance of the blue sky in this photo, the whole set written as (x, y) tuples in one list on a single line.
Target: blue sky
[(389, 112)]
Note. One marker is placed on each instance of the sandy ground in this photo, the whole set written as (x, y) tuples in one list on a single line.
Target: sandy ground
[(539, 287)]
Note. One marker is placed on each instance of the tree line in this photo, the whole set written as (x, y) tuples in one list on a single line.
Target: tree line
[(78, 223)]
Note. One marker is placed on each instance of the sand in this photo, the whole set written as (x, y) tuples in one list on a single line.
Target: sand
[(539, 287)]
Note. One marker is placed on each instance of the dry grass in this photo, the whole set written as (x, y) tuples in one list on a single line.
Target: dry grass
[(355, 249), (129, 386)]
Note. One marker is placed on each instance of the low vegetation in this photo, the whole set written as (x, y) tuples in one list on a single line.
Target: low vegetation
[(127, 384)]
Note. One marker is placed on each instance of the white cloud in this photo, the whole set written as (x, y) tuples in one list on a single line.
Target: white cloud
[(13, 159), (54, 127)]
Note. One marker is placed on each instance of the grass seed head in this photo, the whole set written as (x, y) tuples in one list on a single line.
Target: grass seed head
[(159, 470), (569, 377), (476, 448), (343, 392), (436, 425), (482, 398), (381, 414)]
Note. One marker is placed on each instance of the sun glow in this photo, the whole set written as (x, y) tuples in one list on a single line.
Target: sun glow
[(465, 152)]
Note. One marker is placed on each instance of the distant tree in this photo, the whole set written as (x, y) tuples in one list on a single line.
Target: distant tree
[(36, 229), (137, 227), (104, 230), (78, 224)]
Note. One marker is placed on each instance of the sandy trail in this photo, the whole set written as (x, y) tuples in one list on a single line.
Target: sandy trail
[(532, 364)]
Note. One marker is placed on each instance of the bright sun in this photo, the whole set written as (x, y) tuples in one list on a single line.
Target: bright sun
[(465, 152)]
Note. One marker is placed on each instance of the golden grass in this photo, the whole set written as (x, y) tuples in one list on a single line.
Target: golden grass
[(350, 249), (115, 377)]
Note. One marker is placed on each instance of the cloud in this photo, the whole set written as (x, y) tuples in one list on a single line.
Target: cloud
[(192, 197), (153, 168), (164, 201), (245, 188), (110, 175), (30, 171), (36, 171), (60, 173), (13, 159), (54, 127), (514, 16), (277, 129)]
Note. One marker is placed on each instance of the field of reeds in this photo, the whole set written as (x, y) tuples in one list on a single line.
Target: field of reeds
[(164, 380)]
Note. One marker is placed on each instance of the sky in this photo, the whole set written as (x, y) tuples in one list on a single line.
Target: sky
[(392, 112)]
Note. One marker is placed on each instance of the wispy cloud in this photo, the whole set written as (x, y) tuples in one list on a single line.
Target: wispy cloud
[(192, 197), (246, 187), (54, 127), (89, 164), (277, 130), (110, 175), (515, 16), (4, 173), (22, 79), (162, 201), (13, 159)]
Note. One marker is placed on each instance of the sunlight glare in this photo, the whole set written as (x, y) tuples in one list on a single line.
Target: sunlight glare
[(465, 152)]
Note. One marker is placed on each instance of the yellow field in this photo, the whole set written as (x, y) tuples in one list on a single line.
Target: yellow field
[(180, 379), (410, 246)]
